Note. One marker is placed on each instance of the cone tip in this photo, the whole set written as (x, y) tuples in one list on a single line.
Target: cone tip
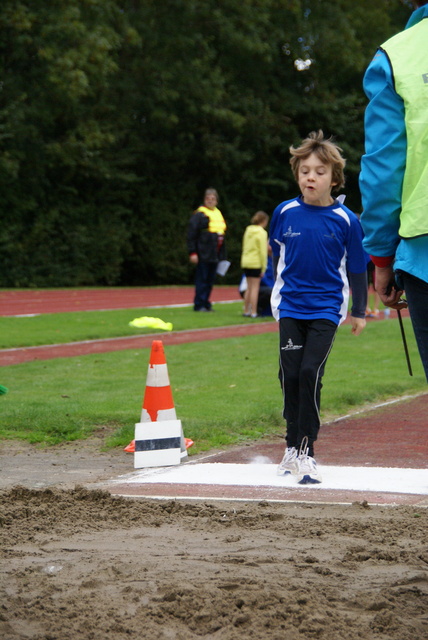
[(157, 355)]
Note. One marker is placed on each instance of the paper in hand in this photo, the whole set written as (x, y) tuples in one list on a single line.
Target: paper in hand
[(222, 267)]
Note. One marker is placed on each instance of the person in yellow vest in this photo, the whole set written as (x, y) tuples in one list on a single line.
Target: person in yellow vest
[(394, 172), (254, 260), (206, 246)]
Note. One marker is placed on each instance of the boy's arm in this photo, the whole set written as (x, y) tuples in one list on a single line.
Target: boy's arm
[(358, 282), (274, 247), (264, 251), (275, 260)]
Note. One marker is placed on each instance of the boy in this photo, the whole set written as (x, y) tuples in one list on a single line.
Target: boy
[(316, 243)]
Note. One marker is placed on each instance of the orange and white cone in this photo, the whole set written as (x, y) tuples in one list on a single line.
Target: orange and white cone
[(158, 403), (159, 436)]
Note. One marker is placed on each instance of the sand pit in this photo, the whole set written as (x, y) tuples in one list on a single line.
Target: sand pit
[(80, 563)]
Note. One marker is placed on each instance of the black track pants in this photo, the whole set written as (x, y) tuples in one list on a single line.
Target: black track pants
[(304, 349)]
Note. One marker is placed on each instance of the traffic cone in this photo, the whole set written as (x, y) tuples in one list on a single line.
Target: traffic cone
[(130, 448), (159, 439), (158, 403)]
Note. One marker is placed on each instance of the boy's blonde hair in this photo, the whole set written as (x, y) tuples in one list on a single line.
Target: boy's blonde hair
[(259, 217), (328, 153)]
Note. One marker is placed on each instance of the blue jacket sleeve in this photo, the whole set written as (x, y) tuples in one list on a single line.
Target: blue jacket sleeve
[(273, 233), (358, 282), (382, 166)]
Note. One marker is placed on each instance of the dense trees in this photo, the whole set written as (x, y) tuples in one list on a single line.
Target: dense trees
[(116, 114)]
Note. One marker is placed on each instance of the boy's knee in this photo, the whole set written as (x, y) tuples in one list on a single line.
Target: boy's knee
[(308, 374)]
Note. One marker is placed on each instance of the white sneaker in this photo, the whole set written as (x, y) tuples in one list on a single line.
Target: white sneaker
[(307, 470), (289, 463)]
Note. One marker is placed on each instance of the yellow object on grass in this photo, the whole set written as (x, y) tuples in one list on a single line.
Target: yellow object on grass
[(151, 323)]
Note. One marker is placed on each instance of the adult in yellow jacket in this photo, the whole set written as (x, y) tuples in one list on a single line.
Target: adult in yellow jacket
[(206, 246)]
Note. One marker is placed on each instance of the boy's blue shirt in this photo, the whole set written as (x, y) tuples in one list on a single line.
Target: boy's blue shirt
[(383, 166), (315, 247)]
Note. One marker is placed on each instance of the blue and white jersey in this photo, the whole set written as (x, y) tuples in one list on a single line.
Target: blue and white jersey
[(315, 247)]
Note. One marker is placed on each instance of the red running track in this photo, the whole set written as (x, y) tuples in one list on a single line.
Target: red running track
[(15, 302), (87, 347)]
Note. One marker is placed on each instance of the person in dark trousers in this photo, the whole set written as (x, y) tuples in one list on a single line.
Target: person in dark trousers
[(394, 172), (316, 242), (206, 246)]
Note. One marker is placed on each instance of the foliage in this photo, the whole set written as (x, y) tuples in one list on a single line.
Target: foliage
[(115, 115)]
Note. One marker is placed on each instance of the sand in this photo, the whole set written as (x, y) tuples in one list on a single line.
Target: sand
[(80, 563)]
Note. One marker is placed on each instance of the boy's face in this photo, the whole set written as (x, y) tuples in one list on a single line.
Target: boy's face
[(315, 181)]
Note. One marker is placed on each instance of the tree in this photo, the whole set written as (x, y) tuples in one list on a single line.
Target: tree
[(115, 115), (57, 164)]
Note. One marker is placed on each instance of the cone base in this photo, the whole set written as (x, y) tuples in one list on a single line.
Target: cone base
[(157, 444)]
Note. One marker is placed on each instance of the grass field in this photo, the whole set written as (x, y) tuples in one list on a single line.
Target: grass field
[(225, 391)]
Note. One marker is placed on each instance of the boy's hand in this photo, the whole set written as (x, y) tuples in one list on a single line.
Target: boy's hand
[(358, 325)]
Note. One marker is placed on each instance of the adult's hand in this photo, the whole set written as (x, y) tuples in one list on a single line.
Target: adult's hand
[(385, 286), (194, 258)]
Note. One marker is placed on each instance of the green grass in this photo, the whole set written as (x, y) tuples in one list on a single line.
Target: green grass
[(225, 391), (55, 328)]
